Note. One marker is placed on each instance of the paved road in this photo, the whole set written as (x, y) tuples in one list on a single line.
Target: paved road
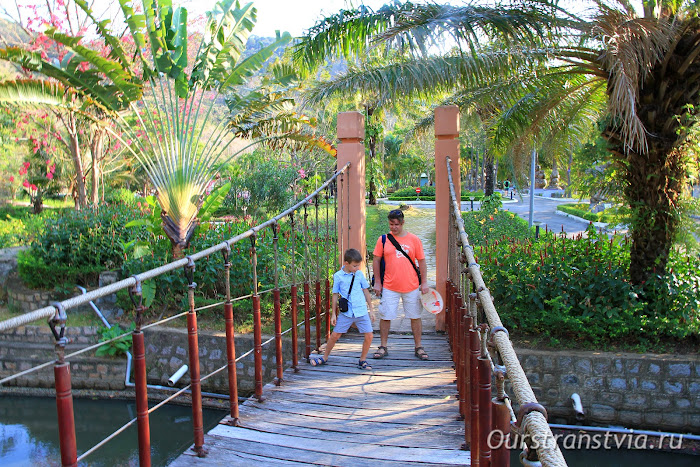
[(545, 212)]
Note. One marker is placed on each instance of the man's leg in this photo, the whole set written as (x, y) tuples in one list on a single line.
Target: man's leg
[(417, 328), (384, 327)]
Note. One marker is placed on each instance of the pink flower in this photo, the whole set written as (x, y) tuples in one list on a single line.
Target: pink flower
[(26, 165), (302, 173), (48, 161), (49, 175), (25, 184), (22, 170), (33, 187), (12, 179)]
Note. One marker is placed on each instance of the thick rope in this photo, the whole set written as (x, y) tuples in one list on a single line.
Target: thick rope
[(534, 423)]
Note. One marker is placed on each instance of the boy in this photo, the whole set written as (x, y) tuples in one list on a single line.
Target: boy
[(350, 279)]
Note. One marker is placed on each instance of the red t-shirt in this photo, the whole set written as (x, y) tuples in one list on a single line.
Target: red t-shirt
[(399, 275)]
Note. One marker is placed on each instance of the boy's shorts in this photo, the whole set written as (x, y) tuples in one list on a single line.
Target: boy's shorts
[(389, 304), (343, 323)]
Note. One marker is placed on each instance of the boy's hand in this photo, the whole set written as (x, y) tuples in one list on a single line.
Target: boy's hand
[(371, 316), (333, 319)]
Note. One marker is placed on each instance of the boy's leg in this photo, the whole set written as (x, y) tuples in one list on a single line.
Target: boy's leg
[(366, 345), (331, 342)]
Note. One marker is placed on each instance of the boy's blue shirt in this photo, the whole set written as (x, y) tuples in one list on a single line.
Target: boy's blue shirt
[(341, 284)]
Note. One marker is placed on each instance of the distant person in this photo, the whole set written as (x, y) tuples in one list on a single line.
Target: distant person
[(401, 280), (353, 303)]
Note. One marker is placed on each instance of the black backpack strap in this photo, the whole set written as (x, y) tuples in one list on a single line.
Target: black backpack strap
[(398, 247)]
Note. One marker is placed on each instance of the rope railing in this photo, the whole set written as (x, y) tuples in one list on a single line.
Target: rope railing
[(488, 419), (50, 311), (57, 317)]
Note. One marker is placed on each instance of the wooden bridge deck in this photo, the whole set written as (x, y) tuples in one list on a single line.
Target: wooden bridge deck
[(402, 412)]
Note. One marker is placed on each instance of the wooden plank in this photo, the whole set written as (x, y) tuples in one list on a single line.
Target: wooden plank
[(346, 448), (333, 423), (412, 417), (387, 402), (424, 437), (224, 446), (235, 458)]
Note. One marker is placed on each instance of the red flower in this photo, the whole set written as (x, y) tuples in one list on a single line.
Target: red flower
[(49, 175), (12, 179), (491, 217), (25, 184), (33, 187)]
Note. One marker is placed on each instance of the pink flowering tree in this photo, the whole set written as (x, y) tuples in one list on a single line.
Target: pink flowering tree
[(39, 178)]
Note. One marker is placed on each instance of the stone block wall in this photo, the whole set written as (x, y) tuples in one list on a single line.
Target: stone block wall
[(648, 390), (166, 352)]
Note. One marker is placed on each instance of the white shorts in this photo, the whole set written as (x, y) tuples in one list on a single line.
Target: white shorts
[(389, 304)]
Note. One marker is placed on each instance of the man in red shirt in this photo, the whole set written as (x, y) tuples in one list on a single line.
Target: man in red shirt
[(401, 281)]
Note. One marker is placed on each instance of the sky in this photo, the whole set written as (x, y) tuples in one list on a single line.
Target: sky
[(293, 16)]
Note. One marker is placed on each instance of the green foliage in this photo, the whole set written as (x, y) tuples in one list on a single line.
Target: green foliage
[(491, 203), (427, 193), (486, 227), (76, 246), (122, 197), (18, 227), (611, 215), (117, 347), (260, 185), (577, 290)]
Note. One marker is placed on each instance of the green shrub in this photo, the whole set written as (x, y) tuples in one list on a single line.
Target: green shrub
[(577, 291), (427, 193), (612, 215), (117, 347), (121, 197), (76, 246)]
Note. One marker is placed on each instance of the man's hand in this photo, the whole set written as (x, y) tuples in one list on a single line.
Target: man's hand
[(333, 319), (424, 288), (377, 290)]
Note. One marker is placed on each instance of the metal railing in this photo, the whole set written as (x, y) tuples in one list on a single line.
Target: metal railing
[(475, 331)]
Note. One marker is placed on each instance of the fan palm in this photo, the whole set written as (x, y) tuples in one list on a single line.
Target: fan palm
[(549, 67), (179, 137)]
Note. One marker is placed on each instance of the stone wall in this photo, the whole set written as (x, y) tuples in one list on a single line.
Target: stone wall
[(632, 390), (166, 350)]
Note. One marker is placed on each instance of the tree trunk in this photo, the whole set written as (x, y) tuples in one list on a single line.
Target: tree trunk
[(38, 205), (96, 150), (372, 185), (71, 125), (489, 180)]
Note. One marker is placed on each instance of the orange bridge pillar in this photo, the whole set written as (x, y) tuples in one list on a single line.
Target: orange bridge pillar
[(446, 144), (351, 191)]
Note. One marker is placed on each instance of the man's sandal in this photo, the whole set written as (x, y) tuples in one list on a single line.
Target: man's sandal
[(420, 353), (381, 352), (363, 365), (318, 361)]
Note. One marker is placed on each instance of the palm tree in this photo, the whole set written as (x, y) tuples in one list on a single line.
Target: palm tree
[(637, 70)]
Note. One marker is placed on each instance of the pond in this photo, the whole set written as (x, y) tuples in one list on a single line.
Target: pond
[(29, 433)]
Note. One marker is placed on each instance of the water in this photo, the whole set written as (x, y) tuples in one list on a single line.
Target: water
[(29, 432)]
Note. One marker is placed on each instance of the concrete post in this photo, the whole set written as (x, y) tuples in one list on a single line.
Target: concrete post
[(351, 192), (446, 144)]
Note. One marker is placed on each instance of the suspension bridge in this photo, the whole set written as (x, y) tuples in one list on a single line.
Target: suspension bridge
[(449, 410)]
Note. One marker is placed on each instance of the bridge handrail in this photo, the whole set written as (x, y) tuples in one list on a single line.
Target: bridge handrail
[(533, 423), (51, 310)]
